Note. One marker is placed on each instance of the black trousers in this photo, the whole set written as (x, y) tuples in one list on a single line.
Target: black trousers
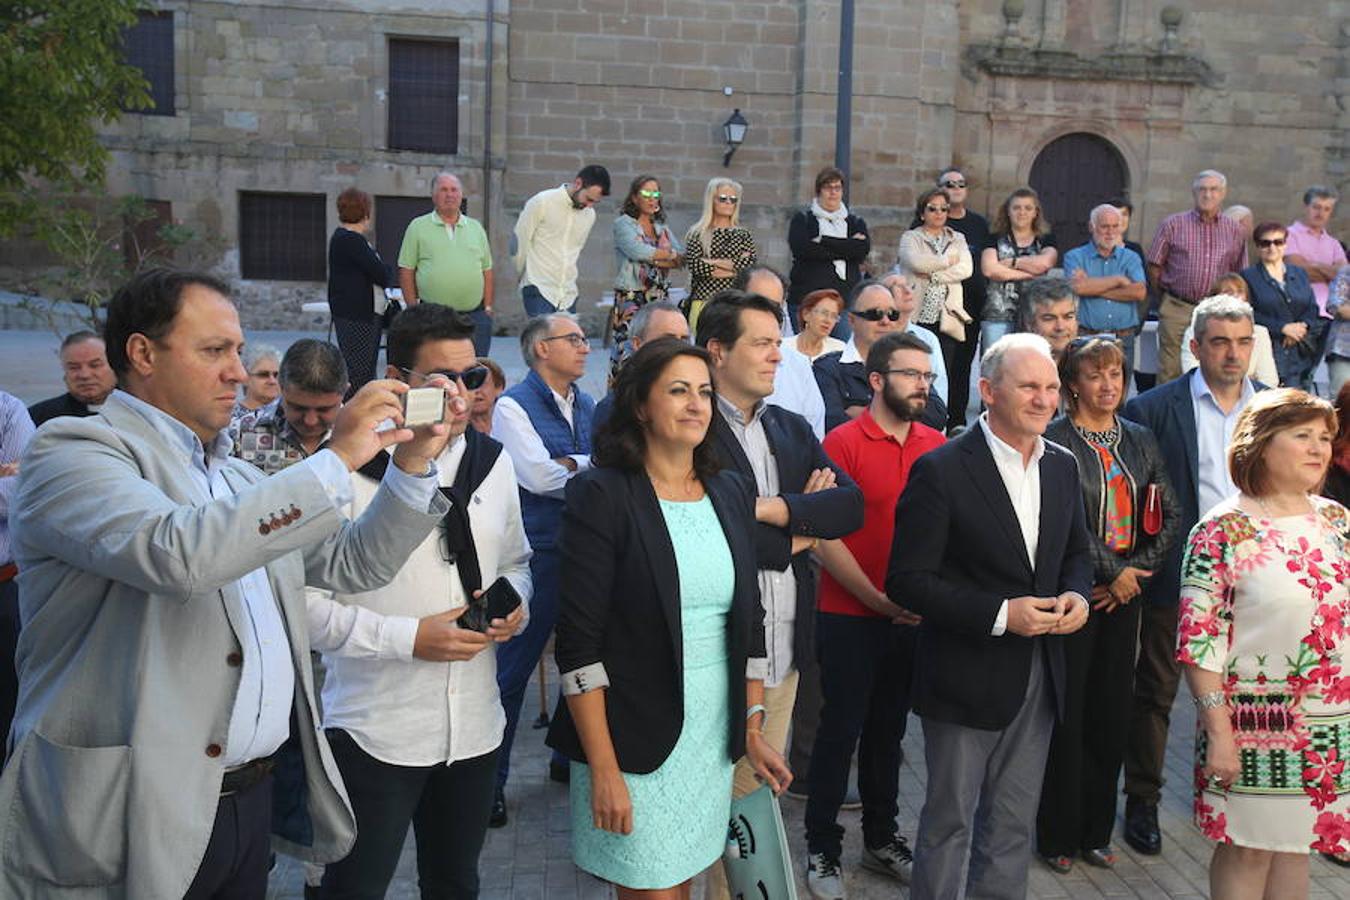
[(9, 640), (958, 357), (1157, 676), (360, 346), (1078, 797), (866, 668), (240, 850), (448, 807)]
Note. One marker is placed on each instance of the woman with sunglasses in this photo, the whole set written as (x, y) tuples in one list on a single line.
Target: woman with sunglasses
[(1134, 518), (645, 250), (718, 248), (820, 313), (1282, 300), (828, 244), (1021, 247), (936, 257)]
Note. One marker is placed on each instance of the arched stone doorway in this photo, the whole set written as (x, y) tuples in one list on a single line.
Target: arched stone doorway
[(1072, 174)]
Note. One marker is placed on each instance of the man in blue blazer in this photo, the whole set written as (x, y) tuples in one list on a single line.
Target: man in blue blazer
[(1193, 419)]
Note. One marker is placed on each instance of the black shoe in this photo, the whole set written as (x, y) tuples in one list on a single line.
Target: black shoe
[(560, 772), (498, 817), (311, 892), (1141, 827)]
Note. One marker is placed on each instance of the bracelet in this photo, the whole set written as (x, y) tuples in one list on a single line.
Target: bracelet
[(1212, 700), (757, 708)]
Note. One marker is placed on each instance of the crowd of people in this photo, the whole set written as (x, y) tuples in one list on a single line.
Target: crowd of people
[(251, 609)]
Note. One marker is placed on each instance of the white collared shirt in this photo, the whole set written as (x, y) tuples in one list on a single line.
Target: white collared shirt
[(549, 236), (1022, 481), (406, 711), (535, 468), (795, 389), (1214, 432)]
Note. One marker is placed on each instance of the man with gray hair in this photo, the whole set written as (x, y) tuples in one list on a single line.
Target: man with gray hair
[(445, 258), (89, 379), (293, 427), (1047, 307), (991, 549), (1311, 247), (1109, 280), (658, 319), (544, 422), (1193, 418), (1190, 250)]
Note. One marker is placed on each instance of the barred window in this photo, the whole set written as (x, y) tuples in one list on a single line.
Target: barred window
[(424, 95), (392, 215), (148, 45), (283, 237)]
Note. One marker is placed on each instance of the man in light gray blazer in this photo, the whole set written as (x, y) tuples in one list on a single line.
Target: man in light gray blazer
[(165, 694)]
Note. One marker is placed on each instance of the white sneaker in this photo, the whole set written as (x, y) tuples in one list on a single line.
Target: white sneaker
[(824, 879), (893, 858)]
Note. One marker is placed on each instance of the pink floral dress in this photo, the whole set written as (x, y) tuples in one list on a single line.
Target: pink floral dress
[(1264, 602)]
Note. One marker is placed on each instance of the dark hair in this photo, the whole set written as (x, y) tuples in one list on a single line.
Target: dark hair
[(1040, 291), (498, 376), (742, 280), (724, 323), (314, 366), (593, 176), (1122, 203), (148, 304), (863, 287), (827, 175), (927, 195), (1266, 228), (621, 442), (353, 205), (1003, 221), (78, 337), (879, 355), (1342, 441), (421, 324), (630, 207)]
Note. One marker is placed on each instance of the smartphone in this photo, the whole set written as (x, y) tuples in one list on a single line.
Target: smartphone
[(423, 406), (497, 602)]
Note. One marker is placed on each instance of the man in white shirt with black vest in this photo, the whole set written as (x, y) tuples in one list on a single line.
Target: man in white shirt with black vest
[(552, 229)]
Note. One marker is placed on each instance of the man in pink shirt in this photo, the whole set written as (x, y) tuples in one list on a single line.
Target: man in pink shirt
[(1309, 245)]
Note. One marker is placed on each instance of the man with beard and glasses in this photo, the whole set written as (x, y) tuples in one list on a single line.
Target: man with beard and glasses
[(865, 642), (552, 229)]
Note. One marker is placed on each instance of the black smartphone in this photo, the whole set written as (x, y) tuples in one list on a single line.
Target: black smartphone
[(497, 602)]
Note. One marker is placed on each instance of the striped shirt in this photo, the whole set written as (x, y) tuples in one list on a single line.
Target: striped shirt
[(1193, 253), (16, 430)]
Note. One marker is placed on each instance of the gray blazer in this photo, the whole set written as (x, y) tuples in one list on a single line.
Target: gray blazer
[(128, 656)]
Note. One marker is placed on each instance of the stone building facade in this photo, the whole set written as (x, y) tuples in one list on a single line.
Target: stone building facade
[(295, 98)]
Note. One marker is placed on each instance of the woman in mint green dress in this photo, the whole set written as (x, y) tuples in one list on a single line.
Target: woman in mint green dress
[(660, 634)]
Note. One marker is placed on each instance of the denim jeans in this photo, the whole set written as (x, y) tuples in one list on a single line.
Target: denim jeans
[(518, 657), (990, 332), (537, 305), (482, 331)]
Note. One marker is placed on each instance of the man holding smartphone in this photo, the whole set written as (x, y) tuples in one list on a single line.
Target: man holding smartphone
[(416, 722)]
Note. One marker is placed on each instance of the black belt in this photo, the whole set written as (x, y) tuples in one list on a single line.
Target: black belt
[(247, 776)]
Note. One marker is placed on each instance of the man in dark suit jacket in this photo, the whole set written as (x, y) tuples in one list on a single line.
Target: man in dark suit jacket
[(992, 550), (1193, 419), (89, 379), (802, 498)]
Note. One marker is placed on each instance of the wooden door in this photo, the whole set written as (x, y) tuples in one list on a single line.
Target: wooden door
[(1073, 174)]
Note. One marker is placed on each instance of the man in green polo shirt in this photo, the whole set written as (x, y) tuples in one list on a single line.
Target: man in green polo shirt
[(445, 259)]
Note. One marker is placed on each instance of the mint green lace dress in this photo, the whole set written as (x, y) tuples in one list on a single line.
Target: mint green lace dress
[(680, 811)]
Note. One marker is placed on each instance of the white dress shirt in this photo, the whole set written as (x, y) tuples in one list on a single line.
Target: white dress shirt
[(411, 712), (1022, 480), (1214, 432), (535, 468), (796, 390), (549, 236)]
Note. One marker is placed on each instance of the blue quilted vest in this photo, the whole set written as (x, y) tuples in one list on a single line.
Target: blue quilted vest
[(542, 514)]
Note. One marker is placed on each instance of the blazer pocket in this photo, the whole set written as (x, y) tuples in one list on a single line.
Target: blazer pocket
[(81, 840)]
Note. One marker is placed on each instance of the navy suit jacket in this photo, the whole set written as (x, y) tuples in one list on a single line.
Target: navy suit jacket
[(958, 553)]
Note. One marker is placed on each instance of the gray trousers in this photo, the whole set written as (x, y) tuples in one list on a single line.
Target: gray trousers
[(983, 792)]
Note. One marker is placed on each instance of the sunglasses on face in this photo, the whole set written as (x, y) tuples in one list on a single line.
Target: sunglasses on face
[(727, 198), (877, 314), (472, 378), (952, 184), (650, 195), (936, 209), (1270, 242)]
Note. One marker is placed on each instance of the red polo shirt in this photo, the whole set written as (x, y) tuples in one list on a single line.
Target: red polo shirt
[(880, 465)]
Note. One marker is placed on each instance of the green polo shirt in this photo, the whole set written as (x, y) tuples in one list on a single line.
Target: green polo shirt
[(449, 262)]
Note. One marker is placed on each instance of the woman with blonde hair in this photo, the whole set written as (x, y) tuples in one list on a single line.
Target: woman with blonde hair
[(717, 248)]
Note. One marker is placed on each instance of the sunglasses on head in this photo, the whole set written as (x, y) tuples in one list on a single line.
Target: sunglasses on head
[(952, 184), (650, 195), (1270, 242), (1080, 342), (472, 378), (936, 209), (877, 314), (727, 198)]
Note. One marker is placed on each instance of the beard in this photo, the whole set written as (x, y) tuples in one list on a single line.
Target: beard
[(906, 409)]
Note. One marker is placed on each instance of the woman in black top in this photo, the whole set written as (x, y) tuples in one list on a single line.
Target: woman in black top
[(828, 245), (353, 269)]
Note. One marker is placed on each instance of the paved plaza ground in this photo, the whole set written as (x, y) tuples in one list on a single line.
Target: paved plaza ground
[(530, 859)]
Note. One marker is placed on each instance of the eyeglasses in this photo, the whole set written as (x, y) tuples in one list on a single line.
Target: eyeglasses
[(936, 209), (472, 378), (913, 375), (1270, 242), (650, 195), (877, 314), (952, 184), (266, 373), (727, 198), (576, 340)]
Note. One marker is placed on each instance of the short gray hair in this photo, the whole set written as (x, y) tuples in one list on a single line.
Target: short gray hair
[(314, 366), (256, 353), (1321, 192), (1209, 173), (443, 174), (1237, 212), (1100, 210), (536, 330), (642, 319), (1043, 291), (1220, 306), (991, 364)]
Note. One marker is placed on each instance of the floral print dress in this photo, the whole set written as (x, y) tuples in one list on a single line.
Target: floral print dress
[(1264, 603)]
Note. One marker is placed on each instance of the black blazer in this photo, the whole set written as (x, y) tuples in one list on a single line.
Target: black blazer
[(813, 260), (64, 405), (958, 554), (825, 514), (620, 607), (353, 268)]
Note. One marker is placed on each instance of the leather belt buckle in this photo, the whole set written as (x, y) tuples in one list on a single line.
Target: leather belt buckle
[(247, 776)]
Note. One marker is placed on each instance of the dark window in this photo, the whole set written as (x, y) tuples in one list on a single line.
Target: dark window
[(142, 238), (424, 95), (392, 215), (283, 237), (148, 45)]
